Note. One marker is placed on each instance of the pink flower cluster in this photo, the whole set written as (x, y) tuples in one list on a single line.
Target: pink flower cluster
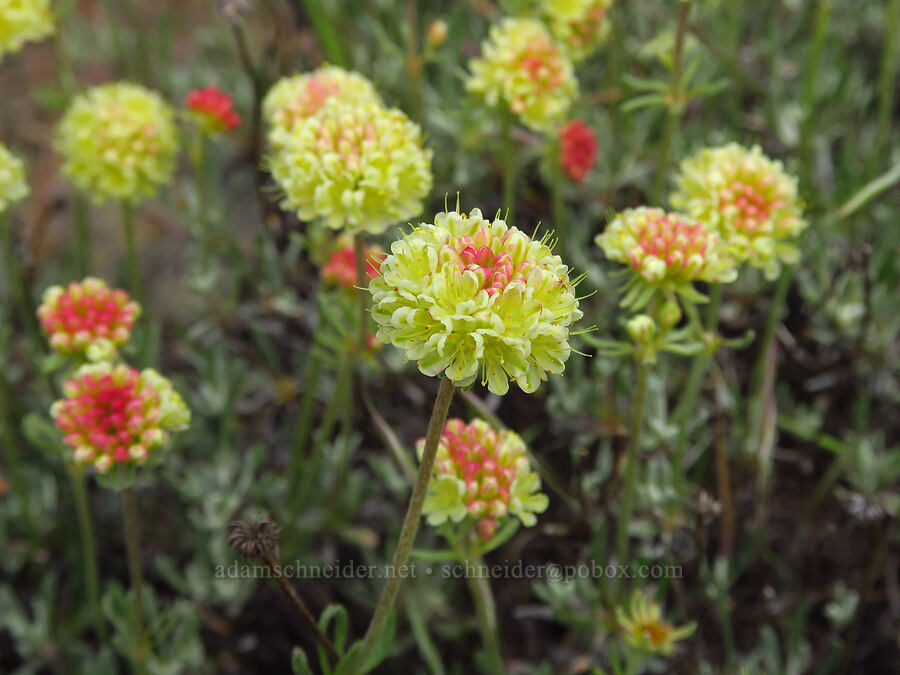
[(341, 266), (215, 107), (677, 242), (476, 454), (83, 313), (577, 149), (495, 269), (753, 206), (114, 414)]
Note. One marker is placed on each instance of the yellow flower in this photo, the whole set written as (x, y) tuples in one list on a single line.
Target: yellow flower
[(470, 297), (23, 21), (118, 141), (748, 198), (580, 25), (644, 628), (523, 68), (359, 167), (12, 179), (664, 251), (293, 99)]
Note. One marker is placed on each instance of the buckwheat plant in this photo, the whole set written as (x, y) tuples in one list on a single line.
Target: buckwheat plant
[(293, 99), (581, 25), (748, 199), (119, 142), (87, 319), (665, 253), (482, 478), (23, 21), (464, 296), (115, 419)]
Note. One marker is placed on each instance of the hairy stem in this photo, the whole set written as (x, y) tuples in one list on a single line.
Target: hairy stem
[(410, 525), (362, 291), (509, 168), (131, 255)]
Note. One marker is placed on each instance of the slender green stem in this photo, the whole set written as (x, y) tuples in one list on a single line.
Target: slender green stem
[(304, 421), (337, 401), (410, 525), (82, 236), (15, 278), (88, 548), (509, 168), (480, 587), (676, 105), (9, 436), (362, 291), (810, 79), (325, 30), (559, 215), (887, 81), (684, 413), (140, 649), (634, 444), (755, 403), (723, 482), (198, 164), (131, 255), (413, 61)]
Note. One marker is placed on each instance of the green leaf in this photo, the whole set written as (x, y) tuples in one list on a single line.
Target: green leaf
[(645, 84), (300, 663), (644, 101), (868, 192)]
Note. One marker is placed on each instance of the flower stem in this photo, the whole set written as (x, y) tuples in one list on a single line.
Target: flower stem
[(304, 422), (410, 525), (198, 164), (362, 291), (676, 105), (82, 236), (133, 549), (810, 80), (559, 216), (298, 602), (887, 82), (509, 168), (480, 587), (631, 465), (131, 255), (15, 278), (723, 482), (684, 413), (413, 61), (88, 548), (755, 406)]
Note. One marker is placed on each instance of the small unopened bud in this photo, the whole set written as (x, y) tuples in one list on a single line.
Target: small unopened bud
[(670, 314), (641, 329), (436, 34)]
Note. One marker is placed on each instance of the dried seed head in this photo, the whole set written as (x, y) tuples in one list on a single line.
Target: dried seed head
[(256, 536)]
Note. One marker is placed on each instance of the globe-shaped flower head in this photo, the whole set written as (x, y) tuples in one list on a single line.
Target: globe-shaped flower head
[(212, 109), (118, 142), (87, 318), (340, 268), (23, 21), (665, 251), (522, 67), (114, 415), (293, 99), (481, 475), (577, 149), (580, 25), (359, 167), (12, 179), (748, 198), (470, 297)]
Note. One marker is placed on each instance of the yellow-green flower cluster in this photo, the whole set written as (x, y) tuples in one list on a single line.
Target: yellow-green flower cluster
[(665, 251), (360, 167), (119, 142), (644, 628), (580, 25), (482, 476), (12, 179), (523, 67), (295, 98), (466, 296), (748, 198), (23, 21)]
